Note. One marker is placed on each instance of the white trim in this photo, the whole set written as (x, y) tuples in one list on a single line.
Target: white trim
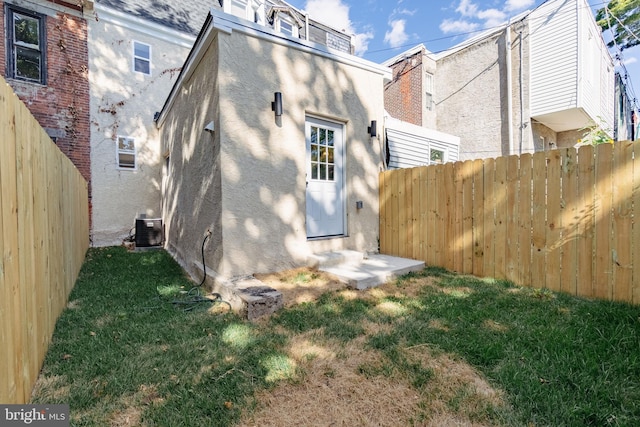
[(143, 26), (223, 22)]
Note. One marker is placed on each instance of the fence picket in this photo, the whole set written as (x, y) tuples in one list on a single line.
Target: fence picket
[(554, 212), (500, 201), (538, 221), (467, 217), (525, 247), (513, 206), (568, 221), (478, 217), (603, 264), (489, 218), (415, 213), (622, 217)]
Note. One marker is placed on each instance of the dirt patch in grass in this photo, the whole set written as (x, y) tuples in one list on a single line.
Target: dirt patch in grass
[(301, 284), (331, 390), (351, 384)]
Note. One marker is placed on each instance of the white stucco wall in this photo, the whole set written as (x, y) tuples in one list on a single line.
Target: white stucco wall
[(123, 103), (247, 182)]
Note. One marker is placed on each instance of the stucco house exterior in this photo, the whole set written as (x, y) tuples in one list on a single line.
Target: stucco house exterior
[(44, 58), (136, 51), (269, 149), (531, 84)]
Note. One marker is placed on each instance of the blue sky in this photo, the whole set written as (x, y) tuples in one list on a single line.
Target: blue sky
[(385, 28)]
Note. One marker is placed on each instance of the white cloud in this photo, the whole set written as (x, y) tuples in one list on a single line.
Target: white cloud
[(396, 36), (457, 26), (467, 8), (330, 12), (472, 17), (361, 42), (335, 14), (630, 61), (492, 17), (518, 5)]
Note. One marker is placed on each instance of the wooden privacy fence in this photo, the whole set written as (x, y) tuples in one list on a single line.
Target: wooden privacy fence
[(565, 220), (44, 236)]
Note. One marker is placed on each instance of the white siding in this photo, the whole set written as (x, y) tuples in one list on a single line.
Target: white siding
[(554, 57), (410, 146)]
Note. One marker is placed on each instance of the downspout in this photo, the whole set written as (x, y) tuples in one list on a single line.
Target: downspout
[(509, 88), (522, 124), (306, 26)]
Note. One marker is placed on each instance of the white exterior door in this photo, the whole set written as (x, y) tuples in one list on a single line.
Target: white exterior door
[(325, 180)]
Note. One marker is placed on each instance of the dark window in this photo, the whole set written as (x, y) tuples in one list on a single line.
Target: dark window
[(25, 45)]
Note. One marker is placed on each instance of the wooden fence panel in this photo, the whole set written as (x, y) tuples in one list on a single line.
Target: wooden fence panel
[(568, 221), (13, 389), (415, 213), (635, 236), (524, 218), (622, 181), (554, 209), (538, 221), (563, 219), (448, 197), (603, 264), (44, 235), (512, 254), (500, 200), (489, 218), (478, 217), (467, 217)]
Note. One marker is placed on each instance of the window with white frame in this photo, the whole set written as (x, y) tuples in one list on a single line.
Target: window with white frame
[(428, 89), (286, 26), (141, 58), (126, 152), (26, 45), (240, 8)]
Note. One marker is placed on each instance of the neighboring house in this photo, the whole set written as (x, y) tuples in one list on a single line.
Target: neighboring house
[(268, 149), (136, 51), (43, 57), (531, 84)]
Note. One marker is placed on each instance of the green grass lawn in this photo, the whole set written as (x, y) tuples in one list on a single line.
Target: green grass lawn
[(124, 354)]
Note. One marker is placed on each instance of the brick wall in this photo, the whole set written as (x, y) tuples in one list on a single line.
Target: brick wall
[(62, 105), (403, 95)]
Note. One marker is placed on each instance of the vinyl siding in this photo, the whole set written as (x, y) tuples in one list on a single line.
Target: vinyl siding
[(554, 57), (410, 146)]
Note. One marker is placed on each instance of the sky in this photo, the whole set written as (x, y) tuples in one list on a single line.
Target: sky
[(386, 28)]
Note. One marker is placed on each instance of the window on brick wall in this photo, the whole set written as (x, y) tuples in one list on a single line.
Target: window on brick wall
[(126, 153), (141, 58), (25, 45)]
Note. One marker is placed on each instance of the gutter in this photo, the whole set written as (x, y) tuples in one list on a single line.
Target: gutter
[(509, 87)]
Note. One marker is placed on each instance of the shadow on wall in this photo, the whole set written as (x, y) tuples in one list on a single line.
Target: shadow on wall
[(247, 181)]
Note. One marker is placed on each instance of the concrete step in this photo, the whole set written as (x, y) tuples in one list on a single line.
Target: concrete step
[(370, 271)]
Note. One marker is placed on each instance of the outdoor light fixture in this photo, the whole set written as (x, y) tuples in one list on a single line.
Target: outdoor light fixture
[(373, 130), (276, 105)]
